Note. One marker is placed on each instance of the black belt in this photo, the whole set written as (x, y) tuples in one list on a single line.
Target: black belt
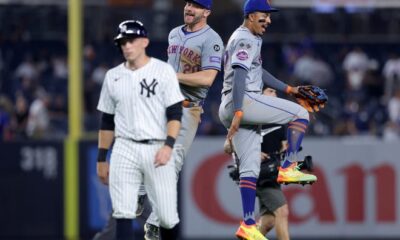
[(230, 90), (145, 141), (189, 103)]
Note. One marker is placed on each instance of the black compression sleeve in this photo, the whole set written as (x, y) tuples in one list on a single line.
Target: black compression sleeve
[(174, 112), (107, 122)]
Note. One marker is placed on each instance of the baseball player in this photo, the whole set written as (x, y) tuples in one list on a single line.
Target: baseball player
[(195, 51), (141, 107), (243, 109), (274, 210), (109, 231)]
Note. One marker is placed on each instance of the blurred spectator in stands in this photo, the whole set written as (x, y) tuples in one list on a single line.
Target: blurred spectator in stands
[(26, 69), (27, 87), (394, 107), (347, 124), (38, 125), (99, 74), (59, 75), (1, 67), (363, 118), (355, 64), (290, 54), (391, 132), (391, 72), (6, 107), (58, 115), (20, 118), (309, 69), (344, 125), (372, 82), (89, 57), (60, 69)]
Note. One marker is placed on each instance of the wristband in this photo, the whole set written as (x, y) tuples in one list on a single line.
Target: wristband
[(288, 89), (170, 141), (239, 113), (102, 155)]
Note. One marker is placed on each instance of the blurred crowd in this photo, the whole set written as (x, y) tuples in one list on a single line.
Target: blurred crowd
[(362, 81)]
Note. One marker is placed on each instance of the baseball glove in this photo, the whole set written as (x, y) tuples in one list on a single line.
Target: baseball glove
[(311, 97)]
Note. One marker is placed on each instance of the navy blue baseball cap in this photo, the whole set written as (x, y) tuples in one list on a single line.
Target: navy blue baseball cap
[(251, 6), (204, 3)]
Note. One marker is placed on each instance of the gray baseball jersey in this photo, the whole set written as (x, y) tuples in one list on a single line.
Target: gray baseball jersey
[(138, 99), (192, 52), (243, 50), (189, 53)]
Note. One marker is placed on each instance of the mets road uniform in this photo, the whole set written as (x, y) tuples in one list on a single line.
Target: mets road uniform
[(138, 99), (244, 50), (190, 52)]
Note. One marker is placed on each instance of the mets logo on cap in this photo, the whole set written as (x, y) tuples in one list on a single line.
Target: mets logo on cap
[(251, 6), (204, 3)]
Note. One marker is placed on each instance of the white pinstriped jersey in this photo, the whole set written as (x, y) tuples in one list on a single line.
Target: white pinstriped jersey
[(139, 98), (193, 52), (244, 50)]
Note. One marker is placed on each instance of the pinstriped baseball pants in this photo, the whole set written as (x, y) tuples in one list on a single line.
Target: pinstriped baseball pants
[(130, 164)]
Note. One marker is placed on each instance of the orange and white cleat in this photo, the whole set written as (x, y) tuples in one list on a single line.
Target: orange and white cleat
[(249, 232), (292, 174)]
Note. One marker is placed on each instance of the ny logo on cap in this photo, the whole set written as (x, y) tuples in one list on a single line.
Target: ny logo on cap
[(123, 28)]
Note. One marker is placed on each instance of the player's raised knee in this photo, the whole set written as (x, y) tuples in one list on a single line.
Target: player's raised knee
[(303, 114)]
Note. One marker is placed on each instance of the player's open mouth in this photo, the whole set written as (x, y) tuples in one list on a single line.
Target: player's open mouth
[(263, 28), (189, 15)]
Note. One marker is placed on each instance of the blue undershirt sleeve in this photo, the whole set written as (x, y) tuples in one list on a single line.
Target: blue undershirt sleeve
[(238, 87), (273, 82)]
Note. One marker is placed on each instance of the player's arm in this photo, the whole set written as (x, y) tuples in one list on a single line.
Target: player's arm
[(273, 82), (211, 59), (238, 89), (174, 115), (106, 137), (203, 78)]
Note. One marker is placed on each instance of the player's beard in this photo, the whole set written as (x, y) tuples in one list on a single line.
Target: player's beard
[(195, 19)]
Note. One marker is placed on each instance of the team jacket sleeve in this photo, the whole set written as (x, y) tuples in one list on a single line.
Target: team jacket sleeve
[(244, 53), (106, 102), (172, 92), (211, 56)]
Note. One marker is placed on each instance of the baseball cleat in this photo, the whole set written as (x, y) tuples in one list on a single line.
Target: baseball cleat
[(292, 174), (151, 232), (140, 205), (249, 232)]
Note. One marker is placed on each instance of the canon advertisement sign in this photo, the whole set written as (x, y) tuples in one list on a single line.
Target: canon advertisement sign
[(357, 193)]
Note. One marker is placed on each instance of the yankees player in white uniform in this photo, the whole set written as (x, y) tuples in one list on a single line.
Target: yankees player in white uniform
[(195, 51), (141, 107), (243, 109)]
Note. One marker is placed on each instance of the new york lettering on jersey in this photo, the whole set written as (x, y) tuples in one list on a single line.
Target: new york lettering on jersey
[(193, 52)]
